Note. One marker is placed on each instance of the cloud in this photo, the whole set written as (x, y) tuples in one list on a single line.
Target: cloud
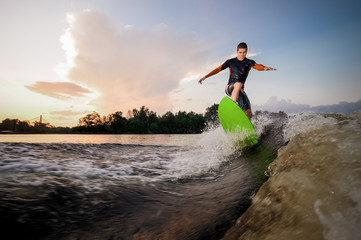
[(68, 113), (178, 90), (60, 90), (253, 54), (275, 105), (211, 83), (130, 67)]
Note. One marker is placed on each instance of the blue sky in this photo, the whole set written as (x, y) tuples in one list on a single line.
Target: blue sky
[(64, 59)]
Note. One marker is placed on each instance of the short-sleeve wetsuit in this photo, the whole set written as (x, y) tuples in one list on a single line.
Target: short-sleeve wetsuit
[(238, 72)]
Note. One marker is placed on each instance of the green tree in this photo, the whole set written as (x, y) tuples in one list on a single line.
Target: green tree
[(141, 120), (144, 121), (167, 123), (211, 116), (15, 125), (196, 123), (24, 126), (135, 126), (90, 120), (181, 122), (9, 124), (118, 123), (40, 127)]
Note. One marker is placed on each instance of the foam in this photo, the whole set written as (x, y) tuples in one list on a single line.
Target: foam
[(259, 122), (206, 153), (91, 164), (305, 122)]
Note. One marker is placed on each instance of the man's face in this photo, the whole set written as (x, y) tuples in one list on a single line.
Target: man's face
[(241, 53)]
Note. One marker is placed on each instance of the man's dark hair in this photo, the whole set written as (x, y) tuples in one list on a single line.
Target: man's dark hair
[(242, 45)]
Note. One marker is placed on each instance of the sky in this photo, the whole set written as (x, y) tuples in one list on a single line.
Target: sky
[(65, 59)]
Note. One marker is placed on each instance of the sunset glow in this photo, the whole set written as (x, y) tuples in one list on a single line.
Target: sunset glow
[(67, 59)]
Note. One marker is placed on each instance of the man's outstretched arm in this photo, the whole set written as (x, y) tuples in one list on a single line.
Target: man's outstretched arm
[(260, 67), (213, 72)]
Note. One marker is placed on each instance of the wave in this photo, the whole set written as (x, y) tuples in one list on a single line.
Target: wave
[(314, 187)]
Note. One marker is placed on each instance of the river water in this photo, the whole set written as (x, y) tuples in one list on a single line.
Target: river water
[(138, 186)]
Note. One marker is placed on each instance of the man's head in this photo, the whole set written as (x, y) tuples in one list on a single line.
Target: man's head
[(242, 51)]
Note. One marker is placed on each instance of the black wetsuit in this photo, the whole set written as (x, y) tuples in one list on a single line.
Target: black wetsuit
[(238, 72)]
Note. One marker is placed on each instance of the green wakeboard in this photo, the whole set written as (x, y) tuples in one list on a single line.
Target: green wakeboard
[(236, 123)]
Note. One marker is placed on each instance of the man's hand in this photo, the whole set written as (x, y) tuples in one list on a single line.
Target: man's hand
[(269, 68), (201, 80)]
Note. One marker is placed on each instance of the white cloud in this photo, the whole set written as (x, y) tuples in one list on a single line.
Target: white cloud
[(130, 67), (60, 90), (68, 113), (253, 54), (191, 76)]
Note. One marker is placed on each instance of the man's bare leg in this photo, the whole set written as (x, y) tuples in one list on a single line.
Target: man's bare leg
[(249, 114), (235, 93)]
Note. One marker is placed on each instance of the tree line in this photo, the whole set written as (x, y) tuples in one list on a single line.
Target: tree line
[(138, 121)]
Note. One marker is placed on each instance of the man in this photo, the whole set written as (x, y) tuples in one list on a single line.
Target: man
[(239, 68)]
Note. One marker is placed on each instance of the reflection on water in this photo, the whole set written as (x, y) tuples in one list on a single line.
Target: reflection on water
[(150, 139)]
